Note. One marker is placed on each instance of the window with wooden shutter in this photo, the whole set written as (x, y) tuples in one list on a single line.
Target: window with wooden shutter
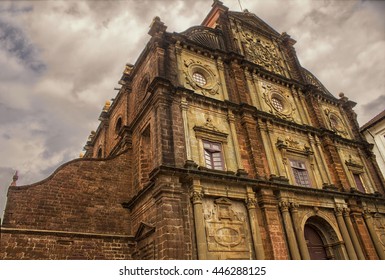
[(213, 155), (359, 184), (300, 173)]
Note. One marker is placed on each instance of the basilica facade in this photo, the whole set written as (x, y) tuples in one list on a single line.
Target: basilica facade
[(218, 145)]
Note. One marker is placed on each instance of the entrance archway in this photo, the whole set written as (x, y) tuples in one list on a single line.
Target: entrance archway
[(322, 240), (315, 244)]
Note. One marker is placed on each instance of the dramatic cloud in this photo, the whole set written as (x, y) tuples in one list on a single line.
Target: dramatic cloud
[(60, 61)]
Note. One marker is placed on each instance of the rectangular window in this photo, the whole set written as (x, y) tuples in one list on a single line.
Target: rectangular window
[(213, 155), (300, 173), (359, 185)]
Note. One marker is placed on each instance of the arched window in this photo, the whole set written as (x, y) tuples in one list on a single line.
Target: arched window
[(118, 125), (100, 153)]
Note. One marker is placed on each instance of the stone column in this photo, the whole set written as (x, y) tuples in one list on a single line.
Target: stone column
[(376, 241), (222, 78), (284, 206), (184, 107), (233, 132), (352, 233), (322, 159), (266, 145), (196, 199), (278, 163), (255, 231), (298, 104), (299, 232), (251, 87), (345, 235)]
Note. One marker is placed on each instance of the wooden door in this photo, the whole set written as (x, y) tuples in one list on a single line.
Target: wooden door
[(315, 244)]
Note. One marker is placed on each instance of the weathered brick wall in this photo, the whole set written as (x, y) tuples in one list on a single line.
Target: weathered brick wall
[(166, 207), (25, 245), (273, 235), (84, 195)]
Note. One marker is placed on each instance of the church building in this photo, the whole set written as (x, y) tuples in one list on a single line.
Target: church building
[(218, 145)]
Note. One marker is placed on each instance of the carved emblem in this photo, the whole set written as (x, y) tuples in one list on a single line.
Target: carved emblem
[(263, 53), (226, 227)]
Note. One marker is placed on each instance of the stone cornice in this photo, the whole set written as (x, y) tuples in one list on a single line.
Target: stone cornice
[(256, 184)]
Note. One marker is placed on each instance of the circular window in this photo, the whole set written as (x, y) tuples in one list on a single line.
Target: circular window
[(277, 104), (336, 123), (199, 78)]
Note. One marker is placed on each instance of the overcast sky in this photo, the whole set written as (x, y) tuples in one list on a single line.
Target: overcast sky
[(61, 60)]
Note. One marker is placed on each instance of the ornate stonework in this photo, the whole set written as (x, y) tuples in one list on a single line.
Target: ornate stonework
[(208, 83), (226, 226), (278, 101), (335, 122), (262, 52)]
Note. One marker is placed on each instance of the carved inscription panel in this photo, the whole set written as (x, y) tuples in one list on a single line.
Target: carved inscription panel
[(227, 229)]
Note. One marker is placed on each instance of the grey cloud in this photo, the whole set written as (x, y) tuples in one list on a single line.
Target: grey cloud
[(15, 9), (6, 136), (9, 114), (16, 43), (375, 106)]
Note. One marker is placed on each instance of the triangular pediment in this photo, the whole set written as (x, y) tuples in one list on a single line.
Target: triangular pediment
[(254, 21)]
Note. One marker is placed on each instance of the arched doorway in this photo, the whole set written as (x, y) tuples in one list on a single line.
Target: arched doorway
[(315, 244), (322, 240)]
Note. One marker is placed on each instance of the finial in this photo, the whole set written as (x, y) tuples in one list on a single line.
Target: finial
[(107, 106), (14, 179), (157, 27)]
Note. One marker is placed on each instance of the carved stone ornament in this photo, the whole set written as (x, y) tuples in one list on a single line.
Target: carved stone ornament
[(295, 147), (226, 227), (210, 131), (338, 210), (209, 124), (354, 163), (251, 202), (284, 205), (292, 143), (335, 122), (262, 52), (196, 197), (278, 102), (200, 77)]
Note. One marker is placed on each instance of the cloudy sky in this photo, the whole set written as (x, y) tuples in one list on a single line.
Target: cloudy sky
[(61, 60)]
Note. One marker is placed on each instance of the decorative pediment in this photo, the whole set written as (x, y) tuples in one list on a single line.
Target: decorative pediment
[(354, 163), (144, 230), (210, 131), (254, 21)]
